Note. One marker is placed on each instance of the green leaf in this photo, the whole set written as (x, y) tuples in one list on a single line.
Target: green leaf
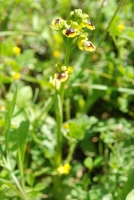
[(75, 131), (99, 160), (22, 133), (88, 162), (129, 185), (5, 79), (130, 196), (6, 49), (8, 120), (79, 125), (39, 187), (119, 89), (88, 147), (8, 183), (20, 116), (30, 179), (99, 193), (24, 96), (5, 33)]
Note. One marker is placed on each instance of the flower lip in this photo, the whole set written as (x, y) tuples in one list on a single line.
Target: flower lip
[(90, 25), (62, 76), (88, 44), (69, 31), (57, 21)]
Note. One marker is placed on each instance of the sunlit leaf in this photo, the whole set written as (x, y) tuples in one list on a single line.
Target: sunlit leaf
[(130, 196), (8, 119)]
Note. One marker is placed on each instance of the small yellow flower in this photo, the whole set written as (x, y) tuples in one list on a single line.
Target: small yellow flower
[(56, 53), (86, 45), (77, 13), (121, 27), (69, 32), (59, 77), (89, 25), (70, 70), (58, 23), (75, 26), (16, 75), (64, 169), (66, 126), (16, 50), (2, 108), (62, 76)]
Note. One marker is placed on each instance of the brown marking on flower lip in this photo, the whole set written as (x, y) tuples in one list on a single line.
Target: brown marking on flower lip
[(69, 31), (90, 23), (57, 21), (88, 44), (61, 75)]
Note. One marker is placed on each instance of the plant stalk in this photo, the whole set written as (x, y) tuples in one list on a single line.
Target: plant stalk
[(18, 186), (59, 110), (21, 170), (71, 151), (20, 190), (59, 119)]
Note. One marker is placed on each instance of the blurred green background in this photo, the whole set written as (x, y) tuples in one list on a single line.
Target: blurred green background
[(99, 96)]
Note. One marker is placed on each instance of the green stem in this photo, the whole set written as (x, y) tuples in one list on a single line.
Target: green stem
[(104, 35), (68, 51), (71, 151), (18, 186), (59, 110), (20, 191), (12, 187), (59, 119), (106, 154), (67, 109), (21, 170)]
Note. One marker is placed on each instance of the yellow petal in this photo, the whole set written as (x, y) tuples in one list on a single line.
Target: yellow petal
[(64, 169), (16, 50)]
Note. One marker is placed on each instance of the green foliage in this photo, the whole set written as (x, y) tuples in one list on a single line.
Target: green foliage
[(130, 196), (98, 113), (129, 185), (8, 121)]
